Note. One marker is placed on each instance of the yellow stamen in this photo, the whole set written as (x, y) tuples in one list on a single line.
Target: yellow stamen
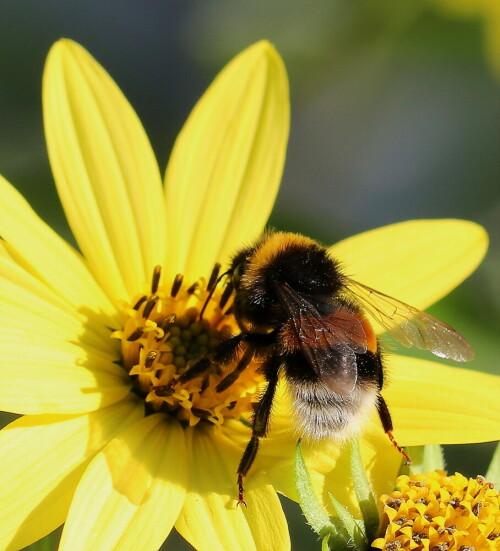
[(163, 337)]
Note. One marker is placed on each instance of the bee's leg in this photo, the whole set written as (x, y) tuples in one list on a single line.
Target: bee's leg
[(225, 352), (191, 372), (228, 350), (260, 425), (194, 370), (385, 418), (242, 364)]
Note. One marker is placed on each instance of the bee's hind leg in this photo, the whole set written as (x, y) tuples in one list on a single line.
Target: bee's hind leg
[(385, 418)]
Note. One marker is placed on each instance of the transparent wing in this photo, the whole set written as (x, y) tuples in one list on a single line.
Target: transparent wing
[(410, 326), (340, 329), (329, 344), (330, 347)]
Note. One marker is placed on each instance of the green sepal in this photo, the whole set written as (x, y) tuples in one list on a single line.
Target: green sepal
[(324, 543), (493, 472), (364, 493), (354, 528), (312, 508)]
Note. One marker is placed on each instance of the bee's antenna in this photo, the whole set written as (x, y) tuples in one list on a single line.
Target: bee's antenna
[(212, 286)]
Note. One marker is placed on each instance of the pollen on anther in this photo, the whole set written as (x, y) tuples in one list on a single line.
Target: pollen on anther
[(155, 279), (140, 302), (151, 356), (213, 276), (225, 295), (176, 285), (137, 334), (165, 325), (193, 288), (150, 304)]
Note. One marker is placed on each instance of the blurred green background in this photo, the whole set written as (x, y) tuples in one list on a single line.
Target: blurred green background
[(395, 115)]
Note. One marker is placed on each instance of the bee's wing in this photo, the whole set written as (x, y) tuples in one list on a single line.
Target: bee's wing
[(330, 347), (328, 343), (410, 326)]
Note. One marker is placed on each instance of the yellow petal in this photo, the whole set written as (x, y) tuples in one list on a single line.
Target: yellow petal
[(437, 404), (227, 162), (105, 171), (38, 376), (42, 458), (38, 249), (211, 500), (418, 262), (132, 492), (35, 309)]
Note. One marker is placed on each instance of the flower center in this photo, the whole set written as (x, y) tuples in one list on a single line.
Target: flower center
[(441, 513), (168, 342)]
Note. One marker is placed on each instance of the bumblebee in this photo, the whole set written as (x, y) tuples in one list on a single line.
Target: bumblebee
[(304, 318)]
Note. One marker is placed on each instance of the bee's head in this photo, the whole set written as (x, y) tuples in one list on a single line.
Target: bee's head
[(239, 265)]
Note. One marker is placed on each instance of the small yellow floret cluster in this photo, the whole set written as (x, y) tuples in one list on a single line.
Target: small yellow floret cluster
[(436, 512), (163, 336)]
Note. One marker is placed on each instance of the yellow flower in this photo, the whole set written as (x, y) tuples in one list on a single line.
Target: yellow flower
[(439, 512), (90, 342)]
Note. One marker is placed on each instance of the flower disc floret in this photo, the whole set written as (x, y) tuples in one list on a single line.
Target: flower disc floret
[(437, 512), (165, 334)]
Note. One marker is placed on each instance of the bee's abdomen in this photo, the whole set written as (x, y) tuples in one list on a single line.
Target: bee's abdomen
[(320, 412)]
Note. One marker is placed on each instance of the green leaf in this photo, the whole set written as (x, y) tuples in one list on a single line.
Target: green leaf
[(426, 458), (364, 493), (354, 528), (493, 472)]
